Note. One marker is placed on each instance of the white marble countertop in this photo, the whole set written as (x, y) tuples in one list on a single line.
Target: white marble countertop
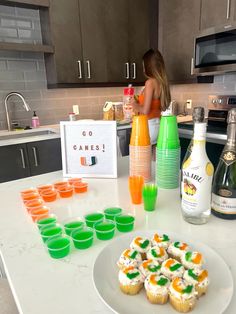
[(43, 285)]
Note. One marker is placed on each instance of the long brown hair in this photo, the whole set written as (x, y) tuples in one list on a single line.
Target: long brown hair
[(154, 67)]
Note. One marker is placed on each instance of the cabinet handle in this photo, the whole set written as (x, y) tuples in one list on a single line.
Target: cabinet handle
[(192, 66), (89, 70), (22, 158), (228, 10), (134, 70), (80, 69), (127, 70), (35, 156)]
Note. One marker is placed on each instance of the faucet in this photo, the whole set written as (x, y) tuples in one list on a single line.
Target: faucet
[(25, 105)]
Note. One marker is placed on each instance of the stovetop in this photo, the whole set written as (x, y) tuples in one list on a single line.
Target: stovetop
[(210, 128)]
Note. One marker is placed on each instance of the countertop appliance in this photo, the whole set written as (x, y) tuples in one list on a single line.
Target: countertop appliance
[(215, 52)]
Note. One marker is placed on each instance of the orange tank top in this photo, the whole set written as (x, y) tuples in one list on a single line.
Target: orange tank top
[(155, 110)]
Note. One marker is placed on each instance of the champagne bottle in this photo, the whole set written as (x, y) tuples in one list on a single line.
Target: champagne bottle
[(198, 117), (197, 174), (224, 182)]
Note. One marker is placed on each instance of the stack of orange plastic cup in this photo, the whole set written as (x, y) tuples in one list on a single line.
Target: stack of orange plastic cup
[(140, 151)]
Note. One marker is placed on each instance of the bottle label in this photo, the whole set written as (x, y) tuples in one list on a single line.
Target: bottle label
[(228, 157), (196, 187), (223, 204)]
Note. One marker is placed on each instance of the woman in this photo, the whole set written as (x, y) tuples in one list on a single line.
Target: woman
[(155, 96)]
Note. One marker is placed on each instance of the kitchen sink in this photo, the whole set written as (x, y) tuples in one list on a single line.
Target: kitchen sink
[(26, 133)]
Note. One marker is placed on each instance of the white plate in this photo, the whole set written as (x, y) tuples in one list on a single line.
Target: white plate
[(105, 277)]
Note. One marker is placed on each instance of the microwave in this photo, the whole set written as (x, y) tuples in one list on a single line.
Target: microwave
[(214, 53)]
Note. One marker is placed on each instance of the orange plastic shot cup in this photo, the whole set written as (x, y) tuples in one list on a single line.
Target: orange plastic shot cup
[(140, 131), (60, 184), (65, 191), (30, 196), (28, 191), (49, 195), (71, 181), (46, 187), (34, 204), (80, 187), (135, 187), (39, 213)]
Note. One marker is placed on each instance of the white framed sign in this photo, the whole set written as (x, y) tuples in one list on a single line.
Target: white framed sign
[(89, 148)]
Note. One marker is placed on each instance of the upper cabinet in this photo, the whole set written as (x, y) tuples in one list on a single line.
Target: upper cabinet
[(178, 25), (216, 13), (98, 41)]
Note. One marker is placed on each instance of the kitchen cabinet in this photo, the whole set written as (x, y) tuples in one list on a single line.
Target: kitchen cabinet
[(29, 159), (14, 162), (178, 25), (44, 156), (98, 41), (216, 13)]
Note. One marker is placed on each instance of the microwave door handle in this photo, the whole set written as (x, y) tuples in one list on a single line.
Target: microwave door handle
[(228, 10)]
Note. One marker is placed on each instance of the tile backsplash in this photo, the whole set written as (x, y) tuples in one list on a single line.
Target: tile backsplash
[(25, 72)]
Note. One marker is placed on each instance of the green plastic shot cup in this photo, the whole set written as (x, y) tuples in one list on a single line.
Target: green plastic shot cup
[(168, 135), (112, 212), (49, 221), (82, 238), (51, 231), (58, 247), (93, 218), (105, 229), (149, 197), (124, 223), (73, 224)]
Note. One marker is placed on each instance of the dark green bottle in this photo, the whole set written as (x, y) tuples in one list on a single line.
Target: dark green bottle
[(198, 117), (224, 181)]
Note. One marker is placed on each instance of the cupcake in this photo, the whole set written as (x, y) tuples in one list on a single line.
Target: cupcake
[(161, 241), (176, 249), (192, 260), (198, 278), (157, 253), (149, 267), (182, 295), (172, 268), (157, 288), (142, 245), (131, 280), (128, 258)]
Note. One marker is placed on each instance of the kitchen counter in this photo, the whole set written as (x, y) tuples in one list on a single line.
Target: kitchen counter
[(43, 285)]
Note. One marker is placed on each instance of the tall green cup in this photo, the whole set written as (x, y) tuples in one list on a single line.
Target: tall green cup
[(149, 196), (168, 136)]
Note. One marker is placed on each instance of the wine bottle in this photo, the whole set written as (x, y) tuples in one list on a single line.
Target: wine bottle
[(224, 182), (197, 174), (198, 117)]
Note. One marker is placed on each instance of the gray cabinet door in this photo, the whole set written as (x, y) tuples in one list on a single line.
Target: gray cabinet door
[(94, 39), (14, 162), (66, 65), (178, 25), (139, 37), (216, 13), (44, 156)]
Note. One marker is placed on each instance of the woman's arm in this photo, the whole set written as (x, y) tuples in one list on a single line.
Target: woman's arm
[(148, 96)]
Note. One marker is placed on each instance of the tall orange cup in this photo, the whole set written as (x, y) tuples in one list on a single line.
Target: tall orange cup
[(135, 187), (140, 132)]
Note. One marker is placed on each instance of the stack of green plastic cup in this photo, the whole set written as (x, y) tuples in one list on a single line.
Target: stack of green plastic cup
[(168, 154)]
